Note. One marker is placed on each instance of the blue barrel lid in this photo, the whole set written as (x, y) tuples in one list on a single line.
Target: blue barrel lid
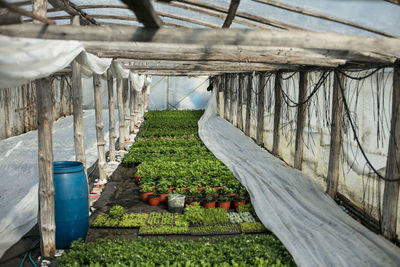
[(67, 166)]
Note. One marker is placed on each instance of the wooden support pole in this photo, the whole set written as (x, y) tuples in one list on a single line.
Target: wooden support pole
[(336, 137), (53, 101), (25, 105), (99, 126), (79, 137), (232, 97), (132, 120), (125, 98), (62, 97), (221, 95), (136, 106), (277, 113), (46, 216), (231, 13), (111, 114), (240, 102), (226, 96), (248, 105), (391, 192), (39, 8), (7, 101), (28, 106), (260, 109), (167, 104), (301, 116), (120, 88)]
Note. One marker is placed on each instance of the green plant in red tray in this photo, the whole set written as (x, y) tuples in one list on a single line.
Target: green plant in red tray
[(179, 191)]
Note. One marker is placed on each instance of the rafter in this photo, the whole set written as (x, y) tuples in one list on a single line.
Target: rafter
[(231, 13), (73, 10), (145, 13), (322, 16)]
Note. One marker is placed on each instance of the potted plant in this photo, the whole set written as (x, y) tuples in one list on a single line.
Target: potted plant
[(209, 202), (239, 199), (180, 191), (228, 191), (210, 192), (137, 179), (193, 192), (154, 199), (224, 201), (145, 192), (163, 192), (191, 201)]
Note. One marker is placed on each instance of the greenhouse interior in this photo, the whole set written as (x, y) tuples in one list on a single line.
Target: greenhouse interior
[(199, 133)]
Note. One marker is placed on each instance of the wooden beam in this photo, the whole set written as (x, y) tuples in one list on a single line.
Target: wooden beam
[(336, 137), (73, 10), (101, 142), (8, 17), (214, 14), (121, 119), (46, 216), (277, 113), (194, 21), (39, 8), (260, 109), (111, 115), (240, 102), (210, 67), (210, 37), (243, 15), (145, 13), (248, 105), (231, 13), (397, 2), (34, 14), (391, 192), (322, 16), (301, 116)]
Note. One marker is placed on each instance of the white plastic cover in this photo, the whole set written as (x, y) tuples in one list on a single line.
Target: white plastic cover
[(118, 71), (137, 81), (309, 223)]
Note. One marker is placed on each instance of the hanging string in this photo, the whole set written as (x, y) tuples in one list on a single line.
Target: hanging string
[(358, 78)]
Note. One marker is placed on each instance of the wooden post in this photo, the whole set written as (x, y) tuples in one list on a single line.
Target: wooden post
[(221, 95), (62, 97), (24, 100), (391, 192), (46, 216), (7, 109), (132, 120), (336, 137), (125, 97), (248, 105), (121, 113), (277, 113), (226, 96), (28, 106), (232, 98), (53, 101), (301, 116), (39, 7), (167, 103), (111, 115), (260, 109), (99, 126), (70, 100), (239, 102)]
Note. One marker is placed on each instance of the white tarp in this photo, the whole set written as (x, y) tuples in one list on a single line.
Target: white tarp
[(309, 223), (137, 81)]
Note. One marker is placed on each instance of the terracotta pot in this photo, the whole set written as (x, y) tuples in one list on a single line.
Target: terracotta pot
[(232, 194), (225, 205), (163, 197), (137, 179), (201, 188), (218, 187), (145, 195), (154, 201), (192, 203), (236, 204), (171, 189), (209, 205)]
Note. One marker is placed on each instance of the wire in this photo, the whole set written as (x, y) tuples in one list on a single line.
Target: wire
[(28, 253), (356, 137), (94, 167), (359, 78), (290, 76)]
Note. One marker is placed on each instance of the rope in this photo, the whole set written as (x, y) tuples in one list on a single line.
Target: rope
[(290, 76), (356, 137), (358, 78), (317, 86)]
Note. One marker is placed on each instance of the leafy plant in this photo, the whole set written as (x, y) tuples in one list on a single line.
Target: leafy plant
[(147, 189), (133, 220), (252, 227), (163, 189), (116, 211), (179, 191)]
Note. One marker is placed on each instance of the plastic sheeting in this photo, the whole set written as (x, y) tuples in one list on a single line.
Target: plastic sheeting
[(309, 223), (20, 173)]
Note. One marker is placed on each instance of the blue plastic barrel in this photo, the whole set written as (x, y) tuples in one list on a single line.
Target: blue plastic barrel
[(71, 202)]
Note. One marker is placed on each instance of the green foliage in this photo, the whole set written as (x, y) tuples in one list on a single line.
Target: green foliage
[(116, 211), (133, 220), (199, 215), (245, 250), (214, 229), (164, 229), (252, 227), (147, 189)]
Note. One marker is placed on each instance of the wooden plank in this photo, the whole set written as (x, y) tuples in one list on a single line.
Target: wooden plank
[(101, 142), (243, 15), (248, 105), (391, 192), (145, 13), (111, 115), (73, 10), (260, 109), (277, 113), (336, 137), (322, 16), (301, 116), (191, 20), (210, 37), (232, 98), (46, 216), (231, 13), (240, 103), (210, 67), (121, 116)]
